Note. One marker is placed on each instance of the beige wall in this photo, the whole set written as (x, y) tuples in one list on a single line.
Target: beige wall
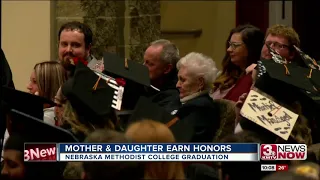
[(26, 30), (215, 18), (25, 36)]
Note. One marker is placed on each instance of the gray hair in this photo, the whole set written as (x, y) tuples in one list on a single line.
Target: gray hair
[(170, 52), (200, 66)]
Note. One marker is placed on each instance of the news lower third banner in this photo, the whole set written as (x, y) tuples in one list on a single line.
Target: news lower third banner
[(158, 152)]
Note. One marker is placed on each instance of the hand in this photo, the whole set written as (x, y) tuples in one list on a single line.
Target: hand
[(250, 68), (36, 93), (239, 105)]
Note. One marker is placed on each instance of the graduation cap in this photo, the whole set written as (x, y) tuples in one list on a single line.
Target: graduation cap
[(309, 62), (286, 83), (35, 130), (25, 102), (145, 109), (89, 95), (136, 77)]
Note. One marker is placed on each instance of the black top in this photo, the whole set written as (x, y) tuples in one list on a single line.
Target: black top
[(145, 109), (195, 121)]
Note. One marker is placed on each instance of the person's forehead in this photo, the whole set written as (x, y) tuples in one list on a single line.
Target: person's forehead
[(154, 49), (183, 71), (236, 37), (71, 34), (153, 54), (277, 38), (11, 154)]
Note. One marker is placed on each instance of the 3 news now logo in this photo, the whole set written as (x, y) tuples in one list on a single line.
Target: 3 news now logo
[(42, 152), (283, 152)]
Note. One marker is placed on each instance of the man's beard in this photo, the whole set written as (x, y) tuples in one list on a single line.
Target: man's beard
[(66, 63)]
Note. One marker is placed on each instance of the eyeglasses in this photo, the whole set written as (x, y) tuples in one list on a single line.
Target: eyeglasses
[(276, 45), (234, 45)]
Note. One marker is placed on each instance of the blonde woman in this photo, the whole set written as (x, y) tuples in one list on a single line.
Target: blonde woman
[(45, 80), (148, 131)]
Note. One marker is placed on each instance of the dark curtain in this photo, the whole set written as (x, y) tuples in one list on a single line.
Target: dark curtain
[(306, 22), (255, 12)]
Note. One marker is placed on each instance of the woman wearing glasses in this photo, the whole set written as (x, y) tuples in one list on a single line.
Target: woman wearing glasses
[(243, 48)]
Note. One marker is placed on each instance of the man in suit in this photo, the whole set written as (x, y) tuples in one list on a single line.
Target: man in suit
[(161, 58), (75, 40)]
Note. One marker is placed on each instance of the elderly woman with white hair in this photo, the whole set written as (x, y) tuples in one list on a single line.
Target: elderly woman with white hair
[(196, 73)]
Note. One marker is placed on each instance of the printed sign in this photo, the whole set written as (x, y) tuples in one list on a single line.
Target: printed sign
[(268, 114)]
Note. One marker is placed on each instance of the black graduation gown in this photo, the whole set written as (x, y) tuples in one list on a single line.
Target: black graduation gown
[(6, 74), (6, 80), (202, 114)]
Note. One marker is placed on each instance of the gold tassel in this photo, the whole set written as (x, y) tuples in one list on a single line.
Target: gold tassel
[(126, 63), (310, 74), (172, 122), (96, 84), (287, 70)]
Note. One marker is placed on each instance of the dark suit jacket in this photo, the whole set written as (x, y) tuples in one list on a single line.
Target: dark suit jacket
[(199, 119), (168, 91)]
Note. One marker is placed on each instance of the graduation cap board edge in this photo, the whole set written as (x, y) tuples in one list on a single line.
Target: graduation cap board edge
[(146, 109), (314, 71), (312, 74), (35, 130), (116, 66), (287, 73), (310, 62), (25, 102)]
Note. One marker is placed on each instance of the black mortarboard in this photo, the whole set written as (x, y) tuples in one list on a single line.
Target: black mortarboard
[(286, 83), (135, 74), (25, 102), (35, 130), (89, 95), (308, 61), (145, 109)]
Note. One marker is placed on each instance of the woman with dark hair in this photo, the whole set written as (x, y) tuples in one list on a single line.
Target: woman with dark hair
[(243, 47)]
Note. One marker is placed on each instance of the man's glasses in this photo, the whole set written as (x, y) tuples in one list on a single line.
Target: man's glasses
[(276, 45), (234, 45)]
